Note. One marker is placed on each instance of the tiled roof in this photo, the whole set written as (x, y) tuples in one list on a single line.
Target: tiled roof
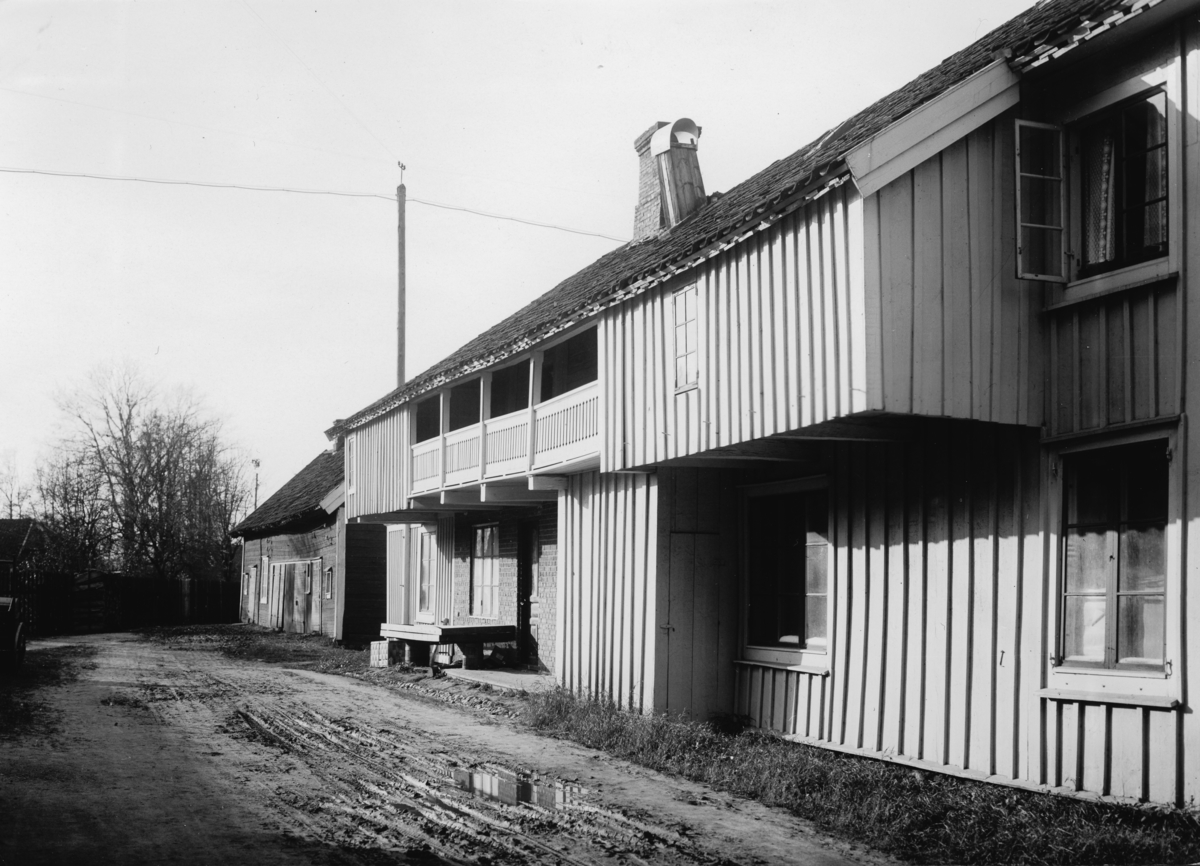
[(1028, 39), (297, 500), (15, 536)]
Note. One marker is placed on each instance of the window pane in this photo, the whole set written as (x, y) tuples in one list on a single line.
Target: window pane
[(816, 568), (693, 367), (1040, 151), (1087, 560), (690, 300), (1143, 559), (1041, 251), (1140, 634), (1146, 123), (681, 378), (816, 605), (1083, 628), (1041, 201), (1092, 490), (1148, 480), (692, 342), (1099, 193)]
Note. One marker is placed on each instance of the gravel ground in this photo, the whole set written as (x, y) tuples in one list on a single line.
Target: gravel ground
[(232, 744)]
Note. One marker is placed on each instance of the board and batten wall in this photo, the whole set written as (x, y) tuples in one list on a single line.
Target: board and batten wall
[(783, 341), (941, 631), (959, 334), (381, 475), (606, 622)]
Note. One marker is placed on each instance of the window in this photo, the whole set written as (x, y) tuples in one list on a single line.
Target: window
[(687, 365), (351, 462), (1041, 218), (327, 588), (568, 365), (1114, 557), (510, 390), (1123, 185), (306, 578), (787, 565), (425, 571), (246, 583), (485, 571), (1117, 191)]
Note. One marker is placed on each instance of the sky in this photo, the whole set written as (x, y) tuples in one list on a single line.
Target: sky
[(278, 309)]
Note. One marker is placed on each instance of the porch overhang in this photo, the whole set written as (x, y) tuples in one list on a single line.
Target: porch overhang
[(455, 634)]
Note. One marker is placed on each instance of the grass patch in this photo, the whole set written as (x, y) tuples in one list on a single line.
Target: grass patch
[(917, 816), (22, 708)]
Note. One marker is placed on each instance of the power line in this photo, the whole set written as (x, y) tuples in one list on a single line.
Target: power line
[(342, 193)]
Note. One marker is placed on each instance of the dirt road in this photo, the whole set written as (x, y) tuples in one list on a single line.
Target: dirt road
[(160, 756)]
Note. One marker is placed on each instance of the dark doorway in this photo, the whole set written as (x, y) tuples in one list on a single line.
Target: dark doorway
[(529, 552)]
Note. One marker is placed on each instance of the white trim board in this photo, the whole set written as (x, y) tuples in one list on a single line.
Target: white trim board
[(933, 127)]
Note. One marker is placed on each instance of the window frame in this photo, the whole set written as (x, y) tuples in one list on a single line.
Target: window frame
[(808, 654), (1064, 204), (691, 375), (476, 607), (327, 583), (426, 566), (1068, 675), (351, 462), (1073, 112)]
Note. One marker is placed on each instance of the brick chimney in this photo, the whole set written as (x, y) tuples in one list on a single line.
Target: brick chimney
[(670, 187)]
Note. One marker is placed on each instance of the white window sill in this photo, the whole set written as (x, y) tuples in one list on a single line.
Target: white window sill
[(1072, 696), (1131, 277), (815, 670), (816, 658)]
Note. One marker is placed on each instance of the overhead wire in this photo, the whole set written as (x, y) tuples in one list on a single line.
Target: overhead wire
[(300, 191)]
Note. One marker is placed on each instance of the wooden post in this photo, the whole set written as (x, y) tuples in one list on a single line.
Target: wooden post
[(401, 197)]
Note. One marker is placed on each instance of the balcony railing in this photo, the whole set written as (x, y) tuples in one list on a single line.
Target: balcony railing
[(561, 430)]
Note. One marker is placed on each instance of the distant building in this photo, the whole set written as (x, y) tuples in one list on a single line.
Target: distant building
[(304, 570)]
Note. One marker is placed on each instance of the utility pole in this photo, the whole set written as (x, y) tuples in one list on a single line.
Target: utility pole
[(255, 463), (401, 196)]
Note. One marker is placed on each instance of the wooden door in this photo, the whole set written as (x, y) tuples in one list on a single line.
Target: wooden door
[(397, 594), (301, 586), (314, 595), (528, 605), (289, 593)]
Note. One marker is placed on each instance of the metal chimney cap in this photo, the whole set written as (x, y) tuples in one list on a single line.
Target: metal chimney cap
[(683, 131)]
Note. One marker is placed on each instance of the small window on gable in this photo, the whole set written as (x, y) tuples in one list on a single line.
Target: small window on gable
[(1041, 207), (687, 345)]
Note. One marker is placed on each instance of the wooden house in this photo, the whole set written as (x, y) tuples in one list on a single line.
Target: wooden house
[(885, 449), (304, 570)]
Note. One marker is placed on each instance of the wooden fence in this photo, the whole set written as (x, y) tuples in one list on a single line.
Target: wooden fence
[(96, 602)]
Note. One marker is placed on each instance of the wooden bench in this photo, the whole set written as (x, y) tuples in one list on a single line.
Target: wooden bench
[(420, 638)]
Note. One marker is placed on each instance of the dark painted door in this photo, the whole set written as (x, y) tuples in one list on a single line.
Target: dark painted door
[(529, 551)]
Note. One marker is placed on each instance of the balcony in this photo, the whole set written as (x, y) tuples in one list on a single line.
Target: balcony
[(559, 432)]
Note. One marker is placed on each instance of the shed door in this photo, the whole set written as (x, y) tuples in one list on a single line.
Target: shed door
[(397, 597)]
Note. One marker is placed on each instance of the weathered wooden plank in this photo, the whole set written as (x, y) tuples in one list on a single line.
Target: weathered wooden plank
[(873, 305), (1166, 354), (1095, 748), (856, 356), (860, 602), (938, 598), (822, 335), (1006, 590), (895, 555), (1125, 737), (838, 275), (916, 548), (1142, 349), (928, 338), (984, 262), (804, 319), (1007, 291), (879, 634), (961, 601), (842, 581), (956, 281), (1091, 366), (896, 258), (1162, 759), (981, 708)]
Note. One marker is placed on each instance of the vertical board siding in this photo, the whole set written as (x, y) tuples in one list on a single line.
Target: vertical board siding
[(1115, 360), (958, 332), (606, 593), (938, 558), (380, 480), (782, 329)]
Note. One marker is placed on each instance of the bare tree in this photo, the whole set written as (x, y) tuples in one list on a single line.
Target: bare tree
[(74, 512), (172, 487), (16, 497)]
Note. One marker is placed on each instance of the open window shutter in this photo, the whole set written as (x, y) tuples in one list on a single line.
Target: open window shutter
[(1041, 204)]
